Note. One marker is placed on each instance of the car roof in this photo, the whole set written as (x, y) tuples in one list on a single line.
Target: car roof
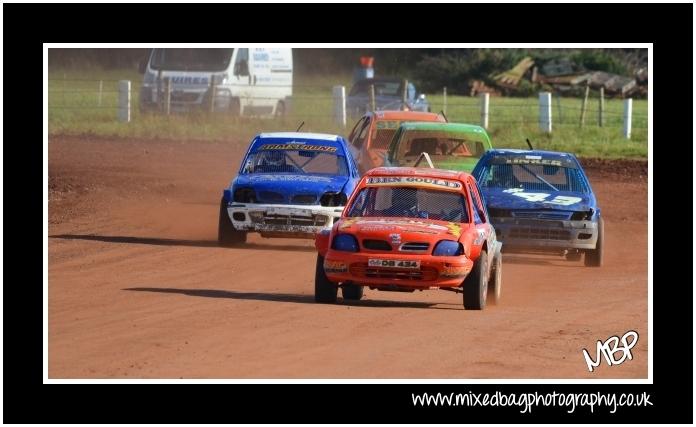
[(559, 155), (461, 127), (301, 135), (411, 171), (404, 115), (565, 159)]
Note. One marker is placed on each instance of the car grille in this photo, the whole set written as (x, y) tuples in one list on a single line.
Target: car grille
[(271, 197), (562, 215), (415, 247), (539, 233), (314, 220), (304, 199), (362, 270), (376, 245)]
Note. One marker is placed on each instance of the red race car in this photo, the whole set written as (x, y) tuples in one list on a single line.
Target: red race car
[(411, 228), (372, 134)]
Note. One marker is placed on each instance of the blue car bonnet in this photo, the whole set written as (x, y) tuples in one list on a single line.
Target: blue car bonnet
[(287, 184)]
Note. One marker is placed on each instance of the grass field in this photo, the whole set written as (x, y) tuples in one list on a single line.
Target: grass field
[(75, 108)]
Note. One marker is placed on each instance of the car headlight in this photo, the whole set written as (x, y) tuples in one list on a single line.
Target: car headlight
[(448, 248), (244, 195), (345, 242), (581, 215), (333, 199)]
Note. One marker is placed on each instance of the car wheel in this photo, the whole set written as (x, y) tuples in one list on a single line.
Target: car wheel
[(352, 292), (495, 283), (476, 284), (324, 290), (593, 257), (573, 256), (227, 235)]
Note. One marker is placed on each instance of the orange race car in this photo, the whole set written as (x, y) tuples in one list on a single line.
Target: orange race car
[(411, 228), (372, 134)]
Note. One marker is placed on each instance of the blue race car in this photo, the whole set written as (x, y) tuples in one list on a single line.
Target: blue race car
[(541, 202), (290, 184)]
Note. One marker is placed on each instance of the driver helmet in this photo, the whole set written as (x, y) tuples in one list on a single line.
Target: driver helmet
[(273, 158)]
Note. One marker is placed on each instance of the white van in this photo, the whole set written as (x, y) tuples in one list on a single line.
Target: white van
[(248, 81)]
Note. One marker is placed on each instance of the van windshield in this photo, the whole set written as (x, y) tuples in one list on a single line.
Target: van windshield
[(191, 59)]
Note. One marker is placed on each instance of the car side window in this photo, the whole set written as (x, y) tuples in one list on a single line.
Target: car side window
[(479, 211), (356, 130), (360, 140)]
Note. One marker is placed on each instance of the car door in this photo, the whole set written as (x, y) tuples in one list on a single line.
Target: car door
[(359, 143), (485, 230)]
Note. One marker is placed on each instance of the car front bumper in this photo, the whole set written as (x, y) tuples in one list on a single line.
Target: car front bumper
[(434, 271), (273, 220), (536, 235)]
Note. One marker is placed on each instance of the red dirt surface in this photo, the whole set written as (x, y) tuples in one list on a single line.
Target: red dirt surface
[(137, 287)]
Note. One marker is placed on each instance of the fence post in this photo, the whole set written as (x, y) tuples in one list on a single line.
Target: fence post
[(371, 98), (167, 95), (124, 101), (339, 97), (159, 90), (627, 117), (545, 111), (101, 88), (583, 109), (211, 107), (560, 111), (444, 100), (485, 98), (404, 95), (601, 107)]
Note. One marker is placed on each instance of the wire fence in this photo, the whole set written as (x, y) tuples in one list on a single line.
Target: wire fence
[(89, 99)]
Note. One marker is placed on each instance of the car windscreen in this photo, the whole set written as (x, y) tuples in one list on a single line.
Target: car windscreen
[(212, 59), (409, 202), (382, 88), (302, 162), (534, 177), (438, 143)]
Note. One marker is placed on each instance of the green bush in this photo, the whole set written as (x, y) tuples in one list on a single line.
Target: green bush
[(597, 60)]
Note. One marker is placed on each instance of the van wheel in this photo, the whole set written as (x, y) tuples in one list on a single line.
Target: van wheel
[(324, 290), (593, 257), (235, 107), (476, 284), (280, 109), (228, 236)]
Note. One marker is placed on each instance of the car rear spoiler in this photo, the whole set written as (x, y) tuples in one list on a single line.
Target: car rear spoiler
[(425, 156)]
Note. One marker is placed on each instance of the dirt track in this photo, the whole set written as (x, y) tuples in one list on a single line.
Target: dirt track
[(139, 289)]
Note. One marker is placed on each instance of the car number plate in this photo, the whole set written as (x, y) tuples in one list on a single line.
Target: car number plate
[(289, 212), (393, 263)]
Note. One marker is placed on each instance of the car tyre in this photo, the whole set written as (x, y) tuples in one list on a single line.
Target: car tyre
[(476, 284), (324, 290), (495, 282), (594, 257), (352, 292), (228, 236)]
